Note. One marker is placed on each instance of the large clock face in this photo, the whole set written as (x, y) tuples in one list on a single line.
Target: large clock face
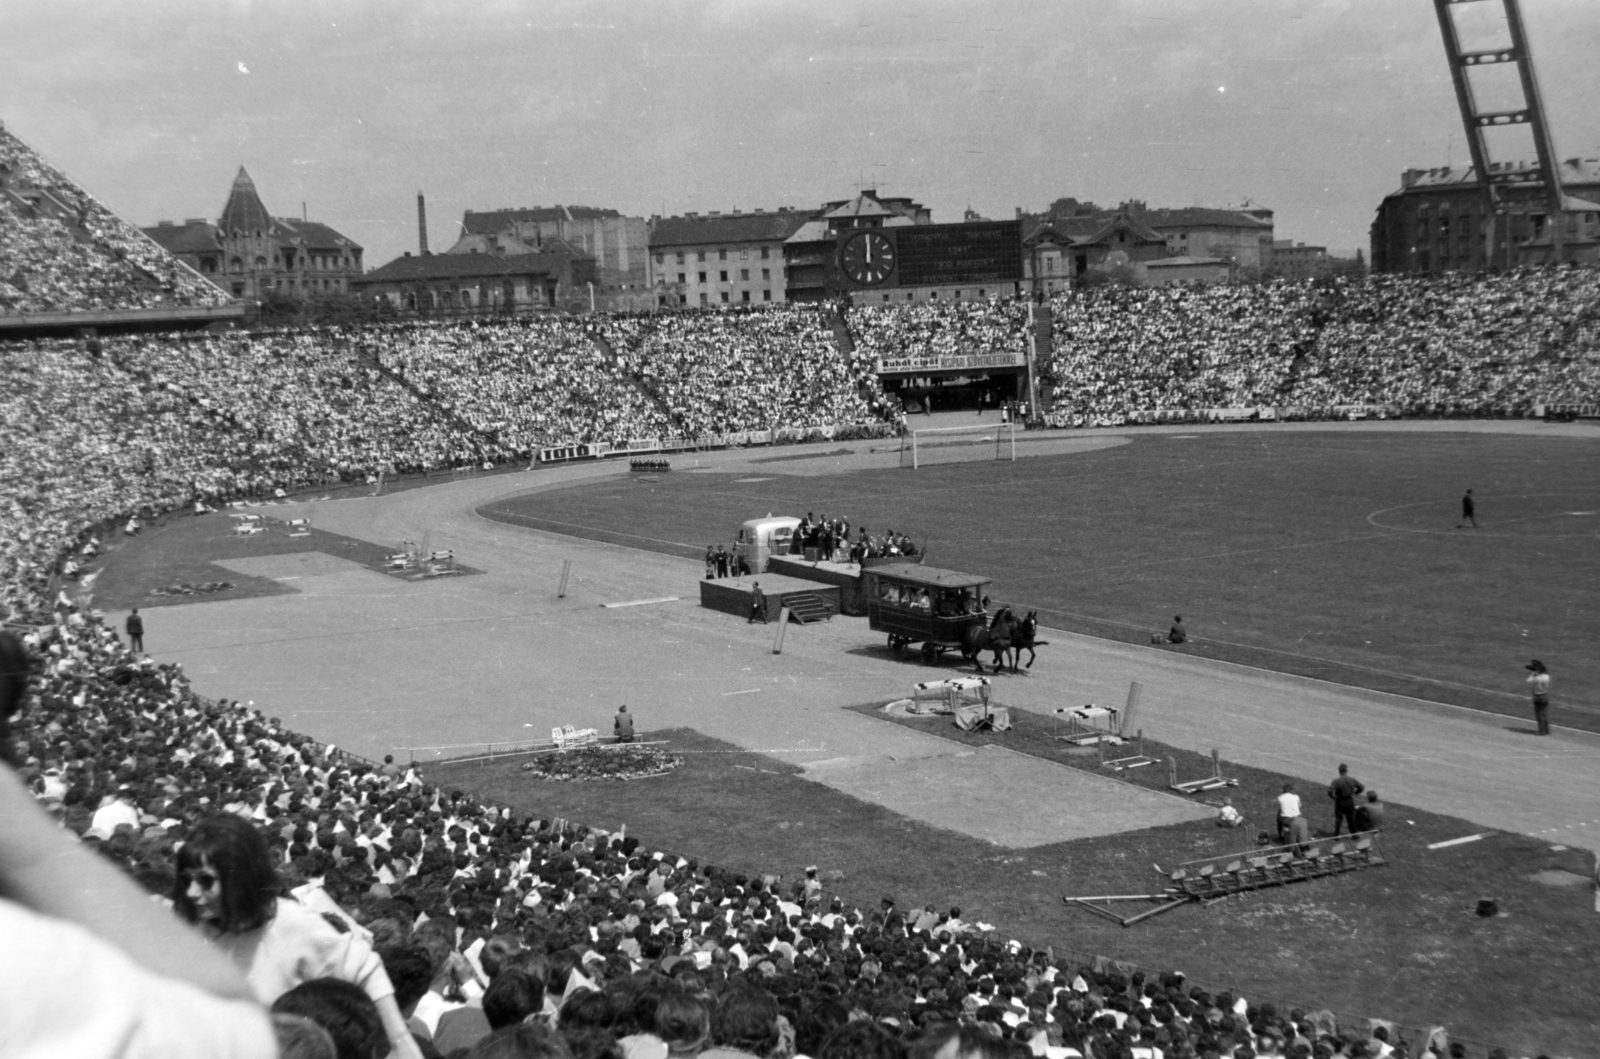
[(867, 258)]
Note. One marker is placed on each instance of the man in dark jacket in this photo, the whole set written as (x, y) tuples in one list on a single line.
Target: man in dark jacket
[(135, 628), (1343, 791)]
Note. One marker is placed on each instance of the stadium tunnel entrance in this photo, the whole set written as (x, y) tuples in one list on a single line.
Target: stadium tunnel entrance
[(957, 391)]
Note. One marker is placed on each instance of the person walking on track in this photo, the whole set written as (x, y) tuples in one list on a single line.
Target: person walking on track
[(1539, 684), (1469, 511), (758, 604)]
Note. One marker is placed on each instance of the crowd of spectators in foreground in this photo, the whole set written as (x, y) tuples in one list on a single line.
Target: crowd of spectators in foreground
[(491, 933), (62, 251)]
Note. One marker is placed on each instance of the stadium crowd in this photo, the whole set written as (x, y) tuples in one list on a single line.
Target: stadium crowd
[(1455, 344), (61, 250), (747, 370), (484, 920), (492, 933)]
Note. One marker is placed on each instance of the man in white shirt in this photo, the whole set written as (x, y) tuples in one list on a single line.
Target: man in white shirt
[(1288, 811)]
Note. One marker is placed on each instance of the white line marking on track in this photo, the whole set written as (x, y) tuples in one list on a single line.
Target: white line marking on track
[(640, 602), (1456, 841), (746, 691)]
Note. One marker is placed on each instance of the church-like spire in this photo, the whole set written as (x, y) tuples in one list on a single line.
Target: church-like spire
[(244, 211)]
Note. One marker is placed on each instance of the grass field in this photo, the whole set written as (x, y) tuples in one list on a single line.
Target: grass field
[(1332, 555), (1398, 941)]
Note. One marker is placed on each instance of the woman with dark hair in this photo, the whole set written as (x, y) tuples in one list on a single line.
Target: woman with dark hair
[(227, 885)]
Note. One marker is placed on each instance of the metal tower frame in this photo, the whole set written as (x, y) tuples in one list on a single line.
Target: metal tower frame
[(1542, 184)]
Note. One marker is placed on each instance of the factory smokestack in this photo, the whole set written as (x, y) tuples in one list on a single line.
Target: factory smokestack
[(422, 224)]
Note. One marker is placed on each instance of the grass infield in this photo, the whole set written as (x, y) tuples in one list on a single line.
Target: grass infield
[(1329, 555)]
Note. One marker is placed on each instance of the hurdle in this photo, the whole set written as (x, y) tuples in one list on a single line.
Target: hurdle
[(1207, 783), (1136, 760), (299, 527), (1092, 725)]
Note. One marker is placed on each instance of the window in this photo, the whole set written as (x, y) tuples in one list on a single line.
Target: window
[(705, 299), (982, 293), (766, 296), (744, 275), (766, 274), (908, 295), (661, 300), (236, 265), (744, 253), (932, 295), (680, 257), (700, 255), (723, 276), (958, 295), (702, 277), (885, 297), (744, 296), (683, 277), (764, 251), (724, 297), (238, 290), (659, 258), (722, 255), (261, 262)]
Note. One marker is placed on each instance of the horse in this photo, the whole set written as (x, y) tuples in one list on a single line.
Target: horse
[(996, 638), (1022, 639)]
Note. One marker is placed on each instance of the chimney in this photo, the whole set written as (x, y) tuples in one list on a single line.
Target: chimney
[(422, 224)]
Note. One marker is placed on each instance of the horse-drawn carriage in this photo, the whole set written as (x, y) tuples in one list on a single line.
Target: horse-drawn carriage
[(944, 611), (923, 604)]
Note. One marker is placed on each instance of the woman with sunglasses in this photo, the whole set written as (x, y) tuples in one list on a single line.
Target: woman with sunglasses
[(227, 885)]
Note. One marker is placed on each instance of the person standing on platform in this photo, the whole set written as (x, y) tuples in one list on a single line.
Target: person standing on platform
[(711, 563), (1539, 684), (1469, 511), (722, 561), (622, 725), (758, 605), (135, 629), (1343, 791)]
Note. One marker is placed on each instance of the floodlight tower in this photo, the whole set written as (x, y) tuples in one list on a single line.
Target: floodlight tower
[(1507, 189)]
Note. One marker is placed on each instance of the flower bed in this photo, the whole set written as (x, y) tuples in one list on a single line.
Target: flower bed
[(603, 763), (187, 589)]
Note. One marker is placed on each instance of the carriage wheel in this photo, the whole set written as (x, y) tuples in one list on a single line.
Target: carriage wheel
[(897, 645), (930, 653)]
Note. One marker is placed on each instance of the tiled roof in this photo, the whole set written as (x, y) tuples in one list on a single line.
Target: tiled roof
[(725, 228), (244, 211), (314, 235), (458, 266), (810, 232), (1201, 217), (185, 238), (491, 221), (1121, 221)]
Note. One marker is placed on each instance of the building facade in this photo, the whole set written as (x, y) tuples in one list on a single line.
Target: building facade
[(251, 254), (1297, 261), (481, 284), (716, 259), (1438, 221), (619, 245)]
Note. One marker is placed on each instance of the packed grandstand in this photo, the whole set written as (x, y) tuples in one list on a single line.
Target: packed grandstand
[(127, 756)]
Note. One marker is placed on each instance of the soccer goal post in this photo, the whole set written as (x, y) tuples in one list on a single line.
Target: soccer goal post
[(959, 444)]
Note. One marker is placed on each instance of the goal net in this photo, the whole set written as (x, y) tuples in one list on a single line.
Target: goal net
[(981, 441)]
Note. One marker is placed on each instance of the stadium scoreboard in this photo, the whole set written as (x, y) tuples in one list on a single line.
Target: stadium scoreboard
[(930, 255)]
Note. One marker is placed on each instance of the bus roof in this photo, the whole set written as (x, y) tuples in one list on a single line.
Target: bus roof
[(930, 576)]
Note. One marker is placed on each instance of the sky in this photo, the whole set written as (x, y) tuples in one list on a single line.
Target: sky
[(1312, 108)]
